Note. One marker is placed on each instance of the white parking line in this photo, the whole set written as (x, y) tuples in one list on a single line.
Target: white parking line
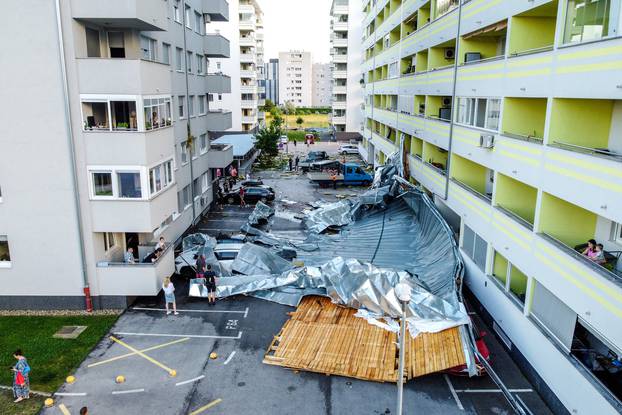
[(245, 312), (127, 391), (194, 336), (492, 390), (230, 357), (453, 393), (190, 380), (70, 394)]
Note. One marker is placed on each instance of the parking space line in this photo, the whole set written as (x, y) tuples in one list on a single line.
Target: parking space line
[(492, 390), (203, 408), (190, 380), (230, 357), (141, 354), (193, 310), (453, 393), (246, 312), (63, 409), (192, 336), (143, 350), (70, 394), (127, 391)]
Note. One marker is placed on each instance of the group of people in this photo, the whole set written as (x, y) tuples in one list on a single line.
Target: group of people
[(293, 163), (153, 257), (595, 252), (206, 273)]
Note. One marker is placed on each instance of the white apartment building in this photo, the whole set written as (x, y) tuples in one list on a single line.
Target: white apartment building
[(245, 31), (114, 153), (510, 114), (347, 58), (295, 78), (321, 90)]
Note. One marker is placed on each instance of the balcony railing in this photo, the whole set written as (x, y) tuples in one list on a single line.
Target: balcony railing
[(514, 216), (437, 169), (529, 138), (483, 197), (599, 152)]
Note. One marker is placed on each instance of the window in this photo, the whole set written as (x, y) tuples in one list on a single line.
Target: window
[(191, 106), (200, 64), (617, 232), (189, 61), (479, 112), (184, 152), (102, 184), (590, 20), (148, 48), (5, 254), (210, 97), (176, 11), (109, 241), (186, 197), (179, 56), (204, 182), (474, 247), (166, 53), (444, 6), (201, 104), (129, 185), (553, 314), (157, 112), (203, 143), (180, 106), (198, 22), (92, 43), (160, 177), (116, 44), (188, 17)]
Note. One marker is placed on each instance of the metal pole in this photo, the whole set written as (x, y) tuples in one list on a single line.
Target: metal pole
[(400, 379)]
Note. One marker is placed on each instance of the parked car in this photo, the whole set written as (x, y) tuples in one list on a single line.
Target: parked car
[(254, 183), (348, 149), (226, 253), (317, 155), (252, 195), (283, 139)]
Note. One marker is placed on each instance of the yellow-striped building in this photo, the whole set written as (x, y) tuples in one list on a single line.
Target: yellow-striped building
[(511, 114)]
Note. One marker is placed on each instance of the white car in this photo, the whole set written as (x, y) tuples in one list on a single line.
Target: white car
[(225, 254), (284, 139), (348, 149)]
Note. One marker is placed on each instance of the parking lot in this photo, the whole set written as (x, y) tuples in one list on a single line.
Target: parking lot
[(148, 344)]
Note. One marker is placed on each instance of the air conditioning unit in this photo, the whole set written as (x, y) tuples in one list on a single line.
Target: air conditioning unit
[(487, 141), (446, 102), (449, 53)]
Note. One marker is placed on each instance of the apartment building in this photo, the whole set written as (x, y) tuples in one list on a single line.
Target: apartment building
[(245, 66), (321, 89), (107, 148), (510, 114), (271, 72), (295, 78), (346, 58)]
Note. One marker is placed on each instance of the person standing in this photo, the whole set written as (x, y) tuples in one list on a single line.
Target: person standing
[(297, 161), (241, 193), (210, 284), (129, 256), (290, 164), (169, 295), (200, 266), (234, 174), (333, 177), (21, 381), (294, 143)]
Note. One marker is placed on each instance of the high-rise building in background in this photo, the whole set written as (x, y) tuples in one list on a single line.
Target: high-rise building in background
[(295, 78), (108, 163), (245, 32), (272, 80), (321, 88), (514, 127), (345, 39)]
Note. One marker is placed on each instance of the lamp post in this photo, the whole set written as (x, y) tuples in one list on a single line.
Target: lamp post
[(402, 291)]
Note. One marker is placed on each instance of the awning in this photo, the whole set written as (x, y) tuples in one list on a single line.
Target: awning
[(497, 27)]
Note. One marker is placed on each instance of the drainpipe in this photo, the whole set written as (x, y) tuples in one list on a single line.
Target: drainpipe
[(72, 157), (453, 102), (188, 130)]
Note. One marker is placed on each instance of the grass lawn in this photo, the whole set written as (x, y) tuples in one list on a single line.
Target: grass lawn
[(28, 407), (312, 120), (51, 360)]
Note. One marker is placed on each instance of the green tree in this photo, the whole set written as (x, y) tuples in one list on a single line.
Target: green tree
[(299, 121), (268, 106), (268, 137)]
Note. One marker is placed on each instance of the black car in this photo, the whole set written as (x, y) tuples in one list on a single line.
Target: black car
[(316, 156), (252, 183), (252, 195)]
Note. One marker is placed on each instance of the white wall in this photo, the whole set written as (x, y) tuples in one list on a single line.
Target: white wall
[(354, 114), (321, 87), (287, 63)]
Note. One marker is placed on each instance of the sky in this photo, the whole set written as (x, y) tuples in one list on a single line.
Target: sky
[(296, 24)]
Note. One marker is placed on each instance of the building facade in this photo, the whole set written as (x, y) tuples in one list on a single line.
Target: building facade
[(122, 154), (346, 59), (245, 66), (511, 118), (271, 71), (295, 78), (321, 90)]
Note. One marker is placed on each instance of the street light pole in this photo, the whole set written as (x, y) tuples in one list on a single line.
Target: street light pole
[(402, 291)]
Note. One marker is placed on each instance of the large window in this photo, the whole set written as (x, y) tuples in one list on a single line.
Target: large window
[(475, 247), (590, 20), (160, 177), (180, 106), (5, 254), (129, 185), (444, 6), (148, 47), (179, 59), (176, 11), (102, 184), (479, 112), (393, 70), (203, 143), (204, 182), (157, 112), (188, 17), (191, 106), (200, 64), (186, 197), (166, 53), (184, 152), (116, 182), (198, 22), (109, 241), (201, 104)]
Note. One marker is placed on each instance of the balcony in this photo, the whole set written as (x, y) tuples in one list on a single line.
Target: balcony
[(516, 199), (218, 10), (248, 41), (473, 177), (339, 42), (217, 46), (340, 26), (523, 118), (248, 89), (339, 105), (246, 8), (248, 103), (249, 119), (141, 15), (533, 31), (123, 76), (339, 120), (141, 279), (340, 74), (248, 58), (218, 83), (219, 156), (483, 44), (248, 74), (247, 25), (339, 89), (340, 58), (218, 120), (261, 90)]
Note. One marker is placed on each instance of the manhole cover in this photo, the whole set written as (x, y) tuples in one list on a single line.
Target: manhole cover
[(69, 332)]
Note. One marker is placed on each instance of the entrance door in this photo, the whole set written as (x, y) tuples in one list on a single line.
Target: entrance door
[(131, 241)]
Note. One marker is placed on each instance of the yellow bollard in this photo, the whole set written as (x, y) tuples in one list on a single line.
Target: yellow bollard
[(70, 379), (120, 379), (49, 402), (173, 373), (213, 355)]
